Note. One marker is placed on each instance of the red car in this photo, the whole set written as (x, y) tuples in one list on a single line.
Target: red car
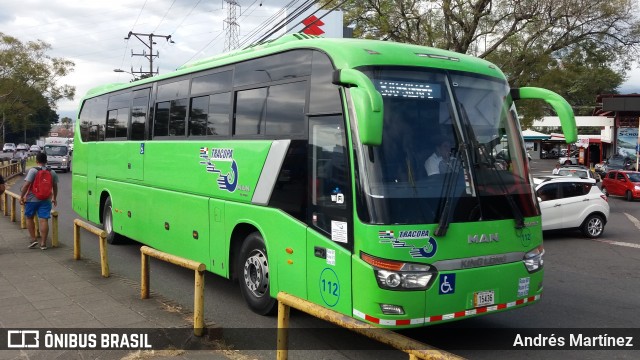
[(622, 183)]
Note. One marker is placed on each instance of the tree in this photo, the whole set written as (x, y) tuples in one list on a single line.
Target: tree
[(528, 39), (29, 82), (66, 123)]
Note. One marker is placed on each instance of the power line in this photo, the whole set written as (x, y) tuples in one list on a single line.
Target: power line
[(216, 37), (231, 25), (126, 46), (149, 56), (266, 23), (164, 16), (321, 17), (277, 27)]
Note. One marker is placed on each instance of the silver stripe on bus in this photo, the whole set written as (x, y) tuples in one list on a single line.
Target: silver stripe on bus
[(270, 171), (478, 261)]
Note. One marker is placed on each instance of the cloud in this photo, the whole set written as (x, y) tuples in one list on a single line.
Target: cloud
[(91, 34)]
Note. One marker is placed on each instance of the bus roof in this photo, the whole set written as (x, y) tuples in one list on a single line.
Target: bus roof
[(343, 52)]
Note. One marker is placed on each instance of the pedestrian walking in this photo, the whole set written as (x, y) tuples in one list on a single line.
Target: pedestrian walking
[(556, 170), (38, 194), (23, 161)]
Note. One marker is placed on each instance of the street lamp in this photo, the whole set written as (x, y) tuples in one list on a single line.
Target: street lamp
[(124, 71)]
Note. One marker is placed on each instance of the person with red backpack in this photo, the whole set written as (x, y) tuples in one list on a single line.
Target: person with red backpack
[(39, 192)]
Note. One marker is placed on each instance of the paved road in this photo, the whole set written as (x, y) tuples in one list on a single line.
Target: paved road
[(588, 284)]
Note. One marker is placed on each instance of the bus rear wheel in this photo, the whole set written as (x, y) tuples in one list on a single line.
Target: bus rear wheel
[(253, 272), (107, 221)]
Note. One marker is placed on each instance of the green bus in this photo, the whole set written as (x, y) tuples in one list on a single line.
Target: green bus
[(360, 175)]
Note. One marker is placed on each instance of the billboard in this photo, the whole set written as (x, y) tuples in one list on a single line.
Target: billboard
[(318, 22), (627, 143)]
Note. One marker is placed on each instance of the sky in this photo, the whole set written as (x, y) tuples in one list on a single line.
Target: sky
[(91, 34)]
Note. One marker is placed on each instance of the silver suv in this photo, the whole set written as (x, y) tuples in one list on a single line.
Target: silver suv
[(9, 147), (573, 203)]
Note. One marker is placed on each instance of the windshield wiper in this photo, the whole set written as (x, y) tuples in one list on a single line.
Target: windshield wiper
[(450, 185)]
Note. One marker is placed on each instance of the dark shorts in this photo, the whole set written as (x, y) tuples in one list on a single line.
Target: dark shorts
[(43, 208)]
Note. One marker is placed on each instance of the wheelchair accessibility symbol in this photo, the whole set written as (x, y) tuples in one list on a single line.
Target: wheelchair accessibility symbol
[(447, 284)]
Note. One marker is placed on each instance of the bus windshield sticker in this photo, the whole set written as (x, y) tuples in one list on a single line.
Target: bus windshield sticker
[(331, 257), (339, 231), (447, 284), (221, 161), (337, 196), (523, 286), (417, 250)]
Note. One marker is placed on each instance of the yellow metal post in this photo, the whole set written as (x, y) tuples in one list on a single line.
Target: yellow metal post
[(198, 303), (198, 267), (13, 209), (104, 262), (76, 240), (282, 348), (6, 204), (144, 276), (412, 347), (54, 228), (23, 219), (36, 222)]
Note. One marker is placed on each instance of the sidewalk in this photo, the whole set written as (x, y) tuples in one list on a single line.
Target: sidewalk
[(49, 290)]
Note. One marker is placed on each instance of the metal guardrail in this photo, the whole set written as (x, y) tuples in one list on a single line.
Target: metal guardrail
[(198, 292), (102, 237), (415, 349), (9, 170), (23, 220)]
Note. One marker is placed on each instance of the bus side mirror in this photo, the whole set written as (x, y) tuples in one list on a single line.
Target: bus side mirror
[(559, 104), (367, 103)]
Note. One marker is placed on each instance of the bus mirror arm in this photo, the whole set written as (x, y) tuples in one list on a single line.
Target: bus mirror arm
[(559, 105), (367, 103)]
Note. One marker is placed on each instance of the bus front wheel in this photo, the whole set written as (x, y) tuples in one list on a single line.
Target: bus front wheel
[(107, 221), (253, 272)]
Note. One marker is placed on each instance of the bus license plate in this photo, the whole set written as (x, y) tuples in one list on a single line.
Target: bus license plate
[(483, 298)]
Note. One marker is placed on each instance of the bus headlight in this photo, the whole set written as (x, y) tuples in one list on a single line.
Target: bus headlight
[(533, 259), (397, 275)]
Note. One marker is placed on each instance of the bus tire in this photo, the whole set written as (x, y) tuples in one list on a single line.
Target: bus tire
[(107, 223), (253, 273)]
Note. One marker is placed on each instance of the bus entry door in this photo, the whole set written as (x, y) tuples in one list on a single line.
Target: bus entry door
[(328, 273), (329, 236)]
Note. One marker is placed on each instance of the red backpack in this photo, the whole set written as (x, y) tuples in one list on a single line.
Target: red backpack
[(42, 185)]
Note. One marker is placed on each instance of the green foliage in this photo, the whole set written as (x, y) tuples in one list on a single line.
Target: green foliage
[(29, 86), (578, 48)]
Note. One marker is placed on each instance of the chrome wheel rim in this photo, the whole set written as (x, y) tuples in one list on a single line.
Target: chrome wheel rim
[(256, 273), (595, 226)]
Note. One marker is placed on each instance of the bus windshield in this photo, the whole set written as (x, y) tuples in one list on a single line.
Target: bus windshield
[(450, 140)]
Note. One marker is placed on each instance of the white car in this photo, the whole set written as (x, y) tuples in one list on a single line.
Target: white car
[(573, 203), (9, 147)]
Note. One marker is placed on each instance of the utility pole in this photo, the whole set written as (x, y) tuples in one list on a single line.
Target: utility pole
[(149, 56), (231, 26)]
